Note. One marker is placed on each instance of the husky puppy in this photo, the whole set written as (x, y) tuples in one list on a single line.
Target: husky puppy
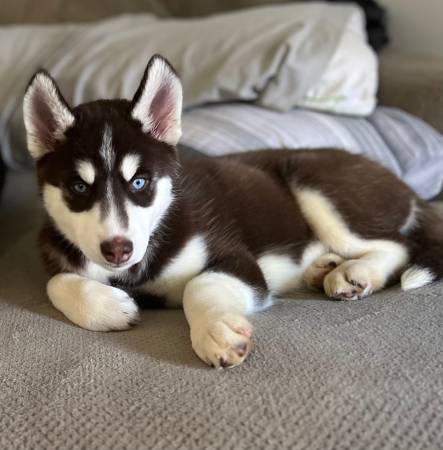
[(219, 236)]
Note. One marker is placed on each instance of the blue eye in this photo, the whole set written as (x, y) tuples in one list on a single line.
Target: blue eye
[(80, 188), (137, 184)]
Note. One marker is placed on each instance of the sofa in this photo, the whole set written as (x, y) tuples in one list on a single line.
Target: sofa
[(323, 374)]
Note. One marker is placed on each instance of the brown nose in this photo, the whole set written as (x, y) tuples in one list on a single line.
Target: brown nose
[(117, 250)]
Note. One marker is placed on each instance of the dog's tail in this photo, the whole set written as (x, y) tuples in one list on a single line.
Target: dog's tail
[(426, 248)]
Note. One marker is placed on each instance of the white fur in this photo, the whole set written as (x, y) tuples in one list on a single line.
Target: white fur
[(111, 225), (87, 229), (90, 304), (215, 305), (45, 88), (411, 221), (327, 223), (98, 273), (171, 282), (381, 258), (106, 149), (144, 221), (416, 277), (160, 76), (129, 166), (86, 171), (283, 274)]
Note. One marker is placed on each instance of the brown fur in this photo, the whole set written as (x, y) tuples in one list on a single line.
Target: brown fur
[(245, 205)]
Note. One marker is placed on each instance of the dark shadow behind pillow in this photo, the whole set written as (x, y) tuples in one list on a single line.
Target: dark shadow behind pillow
[(375, 22), (2, 176), (57, 11)]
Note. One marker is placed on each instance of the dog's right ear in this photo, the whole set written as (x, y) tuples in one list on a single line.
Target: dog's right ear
[(46, 114), (157, 104)]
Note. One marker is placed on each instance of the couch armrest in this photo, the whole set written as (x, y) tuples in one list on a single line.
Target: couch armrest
[(413, 83)]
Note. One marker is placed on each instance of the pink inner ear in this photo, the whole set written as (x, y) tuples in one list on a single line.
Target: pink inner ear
[(161, 111), (43, 119)]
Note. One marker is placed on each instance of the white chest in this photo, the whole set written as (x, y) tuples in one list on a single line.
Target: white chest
[(187, 264)]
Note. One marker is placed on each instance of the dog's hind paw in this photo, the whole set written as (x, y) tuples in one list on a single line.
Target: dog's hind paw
[(317, 271), (351, 280)]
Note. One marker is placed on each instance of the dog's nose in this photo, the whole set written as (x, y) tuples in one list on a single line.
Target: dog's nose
[(117, 250)]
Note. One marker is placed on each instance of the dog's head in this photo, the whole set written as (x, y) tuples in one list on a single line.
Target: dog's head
[(106, 169)]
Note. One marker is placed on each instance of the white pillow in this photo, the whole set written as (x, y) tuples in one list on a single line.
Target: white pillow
[(349, 83), (345, 82), (312, 55)]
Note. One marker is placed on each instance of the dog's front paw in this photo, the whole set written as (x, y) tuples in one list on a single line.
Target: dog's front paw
[(222, 341), (107, 309), (92, 305)]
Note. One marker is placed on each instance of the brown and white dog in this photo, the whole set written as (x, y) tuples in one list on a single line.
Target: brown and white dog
[(220, 236)]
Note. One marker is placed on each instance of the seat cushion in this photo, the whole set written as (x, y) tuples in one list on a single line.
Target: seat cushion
[(323, 374)]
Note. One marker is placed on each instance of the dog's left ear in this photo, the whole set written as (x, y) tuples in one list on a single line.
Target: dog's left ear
[(157, 104)]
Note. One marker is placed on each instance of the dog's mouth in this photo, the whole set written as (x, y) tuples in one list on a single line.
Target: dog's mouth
[(118, 267)]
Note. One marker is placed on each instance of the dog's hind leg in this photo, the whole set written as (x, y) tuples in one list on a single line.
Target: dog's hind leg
[(369, 264)]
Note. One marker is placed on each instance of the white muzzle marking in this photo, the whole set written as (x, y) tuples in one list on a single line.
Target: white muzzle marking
[(88, 229)]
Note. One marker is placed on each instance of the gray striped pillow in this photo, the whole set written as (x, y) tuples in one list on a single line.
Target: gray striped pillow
[(406, 145)]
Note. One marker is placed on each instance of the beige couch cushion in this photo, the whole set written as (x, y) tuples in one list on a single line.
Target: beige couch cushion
[(413, 83), (324, 375)]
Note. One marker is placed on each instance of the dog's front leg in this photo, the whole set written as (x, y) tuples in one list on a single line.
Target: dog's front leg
[(90, 304), (215, 305)]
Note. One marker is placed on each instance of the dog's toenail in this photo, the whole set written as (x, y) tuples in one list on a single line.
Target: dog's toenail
[(241, 349), (223, 362)]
